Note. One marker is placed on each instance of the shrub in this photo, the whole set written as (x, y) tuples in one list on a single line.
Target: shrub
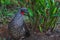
[(43, 14)]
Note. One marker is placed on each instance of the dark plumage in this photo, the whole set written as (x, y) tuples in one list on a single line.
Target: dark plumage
[(17, 27)]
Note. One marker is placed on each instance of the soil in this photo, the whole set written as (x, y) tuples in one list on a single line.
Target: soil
[(43, 36), (39, 36)]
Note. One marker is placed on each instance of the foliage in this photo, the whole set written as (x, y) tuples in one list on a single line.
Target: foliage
[(43, 14), (5, 15), (7, 10), (8, 2)]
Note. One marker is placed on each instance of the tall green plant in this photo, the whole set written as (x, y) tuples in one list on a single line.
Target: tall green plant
[(43, 14)]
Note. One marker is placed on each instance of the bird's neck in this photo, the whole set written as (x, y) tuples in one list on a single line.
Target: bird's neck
[(22, 13)]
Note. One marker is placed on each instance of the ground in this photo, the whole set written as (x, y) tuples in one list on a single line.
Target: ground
[(42, 36), (36, 36)]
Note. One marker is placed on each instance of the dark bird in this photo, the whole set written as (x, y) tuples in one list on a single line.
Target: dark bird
[(17, 27)]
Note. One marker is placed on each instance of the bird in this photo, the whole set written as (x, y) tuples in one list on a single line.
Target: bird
[(17, 28)]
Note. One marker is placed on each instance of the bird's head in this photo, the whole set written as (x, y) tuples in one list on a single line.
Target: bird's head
[(24, 11)]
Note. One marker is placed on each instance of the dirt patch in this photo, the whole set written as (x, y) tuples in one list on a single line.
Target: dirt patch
[(42, 36), (35, 36)]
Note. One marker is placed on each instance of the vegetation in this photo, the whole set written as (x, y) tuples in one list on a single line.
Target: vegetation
[(43, 14)]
